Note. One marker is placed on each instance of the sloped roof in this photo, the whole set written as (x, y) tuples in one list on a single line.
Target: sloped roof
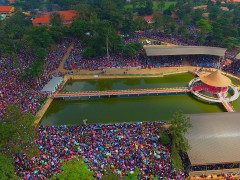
[(5, 8), (52, 84), (214, 138), (42, 19), (216, 79), (148, 18), (161, 50), (66, 15)]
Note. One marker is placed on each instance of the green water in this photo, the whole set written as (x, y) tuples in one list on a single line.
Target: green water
[(123, 109), (128, 109), (176, 80)]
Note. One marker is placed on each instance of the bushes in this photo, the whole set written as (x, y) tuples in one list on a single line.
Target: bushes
[(165, 139)]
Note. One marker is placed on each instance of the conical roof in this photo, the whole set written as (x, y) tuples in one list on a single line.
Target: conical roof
[(216, 79)]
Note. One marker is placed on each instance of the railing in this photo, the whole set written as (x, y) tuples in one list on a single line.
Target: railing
[(121, 92)]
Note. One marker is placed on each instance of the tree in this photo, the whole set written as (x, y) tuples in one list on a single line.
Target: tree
[(56, 19), (134, 175), (75, 169), (89, 52), (205, 28), (197, 15), (140, 23), (161, 4), (104, 37), (128, 26), (38, 37), (149, 7), (182, 30), (17, 132), (169, 10), (214, 11), (165, 139), (16, 25), (131, 49), (204, 25), (6, 167), (231, 42), (180, 124), (79, 28), (58, 32)]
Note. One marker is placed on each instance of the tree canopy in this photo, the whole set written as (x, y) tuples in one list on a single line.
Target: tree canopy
[(180, 125), (17, 132), (75, 169)]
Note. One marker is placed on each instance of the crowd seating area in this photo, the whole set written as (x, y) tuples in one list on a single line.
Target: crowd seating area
[(120, 147), (26, 91), (233, 68)]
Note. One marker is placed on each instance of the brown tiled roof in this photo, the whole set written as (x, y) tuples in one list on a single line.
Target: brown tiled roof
[(67, 15)]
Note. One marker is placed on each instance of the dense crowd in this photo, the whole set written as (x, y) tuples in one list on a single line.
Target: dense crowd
[(76, 60), (215, 167), (56, 54), (204, 61), (15, 89), (120, 147), (27, 92), (173, 39), (233, 68)]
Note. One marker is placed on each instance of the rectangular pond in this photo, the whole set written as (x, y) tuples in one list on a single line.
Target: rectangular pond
[(128, 109)]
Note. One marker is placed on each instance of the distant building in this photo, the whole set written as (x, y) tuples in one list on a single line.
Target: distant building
[(6, 11), (149, 19), (200, 7), (44, 20)]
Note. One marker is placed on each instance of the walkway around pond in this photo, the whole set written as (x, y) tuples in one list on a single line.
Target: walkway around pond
[(221, 99), (121, 92), (226, 104)]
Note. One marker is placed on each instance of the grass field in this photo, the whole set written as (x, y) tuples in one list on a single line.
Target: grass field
[(155, 5)]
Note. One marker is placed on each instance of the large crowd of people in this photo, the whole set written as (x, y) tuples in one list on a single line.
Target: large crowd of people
[(120, 147), (204, 61), (76, 60), (15, 89), (27, 92)]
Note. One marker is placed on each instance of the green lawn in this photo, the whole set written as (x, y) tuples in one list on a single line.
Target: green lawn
[(155, 5)]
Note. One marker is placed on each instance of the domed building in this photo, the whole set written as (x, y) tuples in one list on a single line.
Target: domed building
[(214, 86)]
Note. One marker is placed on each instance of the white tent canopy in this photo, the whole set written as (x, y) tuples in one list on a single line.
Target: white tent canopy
[(52, 85), (214, 138), (160, 50)]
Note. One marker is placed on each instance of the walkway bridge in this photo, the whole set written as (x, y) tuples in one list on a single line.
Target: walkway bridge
[(226, 104), (153, 91)]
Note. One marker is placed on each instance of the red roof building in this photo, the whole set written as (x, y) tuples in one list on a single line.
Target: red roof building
[(6, 11), (68, 18), (149, 19)]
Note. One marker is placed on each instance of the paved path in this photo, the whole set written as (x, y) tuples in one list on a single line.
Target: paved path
[(226, 104), (61, 69)]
